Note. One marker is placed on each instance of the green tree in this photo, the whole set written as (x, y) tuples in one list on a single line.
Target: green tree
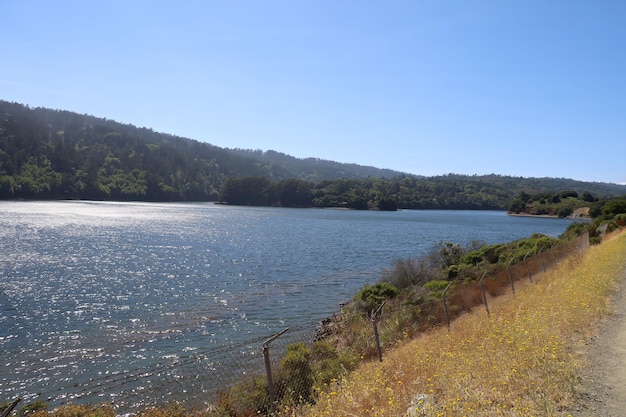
[(375, 294), (614, 207), (248, 191), (587, 196), (37, 178), (517, 206), (294, 193), (387, 204), (564, 212)]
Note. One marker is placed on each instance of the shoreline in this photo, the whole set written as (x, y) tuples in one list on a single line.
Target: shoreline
[(548, 216)]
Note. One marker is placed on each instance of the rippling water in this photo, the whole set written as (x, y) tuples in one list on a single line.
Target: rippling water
[(91, 288)]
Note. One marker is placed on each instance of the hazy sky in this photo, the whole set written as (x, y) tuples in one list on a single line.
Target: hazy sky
[(524, 88)]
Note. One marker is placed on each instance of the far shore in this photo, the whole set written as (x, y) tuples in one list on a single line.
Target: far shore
[(549, 216)]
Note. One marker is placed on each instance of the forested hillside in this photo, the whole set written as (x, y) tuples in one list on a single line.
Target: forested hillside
[(315, 169), (444, 192), (54, 154), (59, 154)]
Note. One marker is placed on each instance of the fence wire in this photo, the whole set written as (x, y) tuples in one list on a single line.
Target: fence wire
[(395, 323), (195, 380)]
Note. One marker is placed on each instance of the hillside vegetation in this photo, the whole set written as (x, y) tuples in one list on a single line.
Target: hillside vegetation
[(561, 204), (59, 154), (55, 154), (607, 213), (524, 360)]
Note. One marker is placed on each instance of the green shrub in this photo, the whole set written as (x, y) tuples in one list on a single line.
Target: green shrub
[(452, 272), (330, 364), (296, 375), (574, 230), (436, 288), (375, 294), (611, 227), (248, 397)]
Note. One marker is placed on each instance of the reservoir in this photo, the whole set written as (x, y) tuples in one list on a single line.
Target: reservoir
[(89, 289)]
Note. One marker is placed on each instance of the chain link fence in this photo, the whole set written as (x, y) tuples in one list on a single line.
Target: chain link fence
[(396, 322), (197, 380)]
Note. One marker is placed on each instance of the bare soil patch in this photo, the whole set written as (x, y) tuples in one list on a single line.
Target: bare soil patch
[(602, 389)]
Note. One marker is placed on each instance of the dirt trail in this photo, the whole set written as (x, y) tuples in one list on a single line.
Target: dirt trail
[(602, 391)]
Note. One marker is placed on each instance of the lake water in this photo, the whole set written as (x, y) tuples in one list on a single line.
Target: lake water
[(91, 288)]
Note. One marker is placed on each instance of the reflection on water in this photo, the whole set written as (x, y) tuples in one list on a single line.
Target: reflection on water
[(94, 289)]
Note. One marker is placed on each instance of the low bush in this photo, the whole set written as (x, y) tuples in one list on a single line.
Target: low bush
[(436, 288), (248, 397), (374, 295), (296, 376), (329, 363)]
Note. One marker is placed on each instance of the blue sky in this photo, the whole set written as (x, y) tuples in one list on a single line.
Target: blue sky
[(523, 88)]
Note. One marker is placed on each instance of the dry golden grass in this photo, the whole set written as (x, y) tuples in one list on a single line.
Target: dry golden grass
[(524, 360)]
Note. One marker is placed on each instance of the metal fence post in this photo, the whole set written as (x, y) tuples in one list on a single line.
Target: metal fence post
[(482, 289), (445, 305), (10, 408), (530, 276), (268, 369), (541, 259), (508, 268), (376, 337)]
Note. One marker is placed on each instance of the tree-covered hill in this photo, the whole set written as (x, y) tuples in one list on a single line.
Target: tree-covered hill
[(55, 154), (59, 154), (315, 169), (449, 192)]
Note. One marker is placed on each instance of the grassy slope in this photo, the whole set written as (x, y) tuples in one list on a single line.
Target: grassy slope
[(524, 360), (552, 209)]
